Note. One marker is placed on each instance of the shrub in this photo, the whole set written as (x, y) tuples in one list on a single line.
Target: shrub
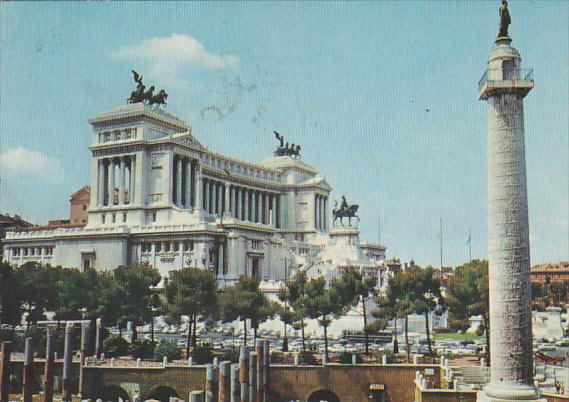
[(202, 354), (143, 350), (115, 346), (166, 348), (346, 358), (307, 358)]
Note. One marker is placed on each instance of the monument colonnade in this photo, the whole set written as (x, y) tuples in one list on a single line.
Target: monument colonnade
[(192, 189), (107, 169), (320, 212)]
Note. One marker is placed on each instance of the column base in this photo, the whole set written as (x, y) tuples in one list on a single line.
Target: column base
[(513, 393), (199, 214)]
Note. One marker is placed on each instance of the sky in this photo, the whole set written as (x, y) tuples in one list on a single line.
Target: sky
[(382, 97)]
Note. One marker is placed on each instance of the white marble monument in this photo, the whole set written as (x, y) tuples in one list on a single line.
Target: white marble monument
[(504, 86)]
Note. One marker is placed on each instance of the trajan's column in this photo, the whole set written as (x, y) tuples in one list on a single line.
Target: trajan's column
[(504, 86)]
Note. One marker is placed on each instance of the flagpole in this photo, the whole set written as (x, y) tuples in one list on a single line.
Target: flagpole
[(441, 234), (470, 245)]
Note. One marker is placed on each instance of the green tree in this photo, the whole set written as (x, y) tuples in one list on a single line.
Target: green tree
[(109, 298), (37, 290), (136, 281), (428, 297), (399, 300), (322, 303), (292, 294), (354, 289), (468, 295), (76, 291), (288, 317), (192, 292), (243, 301), (10, 290)]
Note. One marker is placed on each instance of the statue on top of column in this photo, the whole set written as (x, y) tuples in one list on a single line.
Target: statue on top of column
[(505, 19), (286, 150)]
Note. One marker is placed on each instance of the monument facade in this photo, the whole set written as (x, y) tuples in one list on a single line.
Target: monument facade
[(157, 195)]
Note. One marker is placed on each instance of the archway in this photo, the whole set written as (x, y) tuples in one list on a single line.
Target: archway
[(323, 395), (114, 393), (162, 393)]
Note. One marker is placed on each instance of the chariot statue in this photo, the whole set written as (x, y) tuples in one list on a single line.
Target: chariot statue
[(139, 95), (284, 149), (344, 211)]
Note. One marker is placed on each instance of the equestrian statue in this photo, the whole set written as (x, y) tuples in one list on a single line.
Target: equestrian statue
[(345, 211), (139, 95), (286, 150)]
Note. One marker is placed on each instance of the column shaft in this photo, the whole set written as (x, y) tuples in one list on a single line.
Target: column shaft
[(237, 203), (122, 180), (254, 206), (101, 183), (178, 200), (188, 180), (111, 182), (273, 211), (247, 205)]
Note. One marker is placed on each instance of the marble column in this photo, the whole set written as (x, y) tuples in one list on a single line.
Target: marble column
[(321, 213), (232, 201), (211, 204), (49, 366), (198, 199), (67, 363), (325, 214), (246, 204), (131, 176), (266, 209), (238, 197), (220, 197), (28, 374), (273, 211), (122, 180), (101, 184), (5, 352), (253, 206), (207, 195), (227, 206), (188, 182), (111, 182), (179, 181), (220, 258), (511, 371), (278, 209)]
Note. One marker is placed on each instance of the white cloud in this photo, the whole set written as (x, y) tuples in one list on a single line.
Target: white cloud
[(175, 52), (24, 162)]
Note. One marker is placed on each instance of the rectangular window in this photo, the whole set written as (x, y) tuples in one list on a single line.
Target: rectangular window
[(102, 218), (158, 247)]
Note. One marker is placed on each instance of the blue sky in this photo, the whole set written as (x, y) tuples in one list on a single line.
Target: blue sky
[(350, 82)]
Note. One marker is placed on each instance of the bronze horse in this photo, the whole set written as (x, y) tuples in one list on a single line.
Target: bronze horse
[(349, 213), (158, 99)]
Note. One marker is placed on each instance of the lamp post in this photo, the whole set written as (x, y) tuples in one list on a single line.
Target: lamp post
[(154, 309)]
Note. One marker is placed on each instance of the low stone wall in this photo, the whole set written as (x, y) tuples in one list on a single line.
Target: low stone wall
[(556, 398)]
